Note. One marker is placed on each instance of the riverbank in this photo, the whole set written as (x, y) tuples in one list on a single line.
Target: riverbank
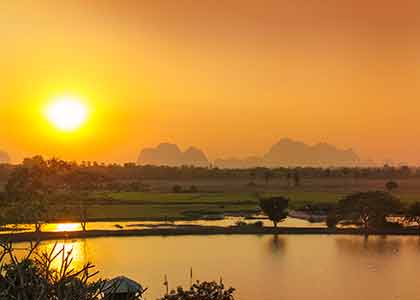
[(197, 230)]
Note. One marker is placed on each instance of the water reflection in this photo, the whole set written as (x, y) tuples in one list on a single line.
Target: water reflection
[(76, 249), (127, 225), (379, 245), (62, 227), (316, 266), (276, 245)]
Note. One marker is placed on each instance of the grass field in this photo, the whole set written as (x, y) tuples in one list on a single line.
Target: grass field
[(231, 196), (154, 205)]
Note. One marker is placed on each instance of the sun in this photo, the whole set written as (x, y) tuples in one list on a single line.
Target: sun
[(67, 113)]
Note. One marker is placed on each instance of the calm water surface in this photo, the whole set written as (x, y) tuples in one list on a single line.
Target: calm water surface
[(264, 267), (226, 222)]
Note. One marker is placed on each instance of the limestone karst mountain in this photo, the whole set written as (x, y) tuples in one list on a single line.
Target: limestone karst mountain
[(285, 153), (290, 153), (171, 155)]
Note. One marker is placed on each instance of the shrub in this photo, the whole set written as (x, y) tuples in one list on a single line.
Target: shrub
[(202, 291), (177, 188)]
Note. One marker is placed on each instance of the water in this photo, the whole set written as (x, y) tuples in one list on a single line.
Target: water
[(225, 222), (287, 267)]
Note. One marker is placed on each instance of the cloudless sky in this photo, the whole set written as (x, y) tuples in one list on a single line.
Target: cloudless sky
[(231, 77)]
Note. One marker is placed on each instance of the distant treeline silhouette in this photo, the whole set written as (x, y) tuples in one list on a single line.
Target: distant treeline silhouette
[(132, 171)]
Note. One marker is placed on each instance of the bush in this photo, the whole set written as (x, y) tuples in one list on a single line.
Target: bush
[(391, 185), (202, 291), (177, 188), (33, 277), (193, 189)]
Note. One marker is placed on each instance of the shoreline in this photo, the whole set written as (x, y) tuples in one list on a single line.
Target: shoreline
[(197, 230)]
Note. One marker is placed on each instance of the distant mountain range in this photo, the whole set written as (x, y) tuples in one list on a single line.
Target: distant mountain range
[(4, 157), (285, 153), (167, 154), (290, 153)]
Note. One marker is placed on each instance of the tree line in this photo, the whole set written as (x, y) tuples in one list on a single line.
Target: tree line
[(132, 171)]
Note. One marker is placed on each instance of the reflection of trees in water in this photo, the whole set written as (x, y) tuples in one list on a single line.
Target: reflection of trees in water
[(412, 242), (381, 245), (276, 245)]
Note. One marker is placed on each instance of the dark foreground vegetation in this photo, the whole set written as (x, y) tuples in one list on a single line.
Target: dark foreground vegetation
[(34, 275)]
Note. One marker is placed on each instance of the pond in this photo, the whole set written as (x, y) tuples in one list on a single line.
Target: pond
[(289, 267)]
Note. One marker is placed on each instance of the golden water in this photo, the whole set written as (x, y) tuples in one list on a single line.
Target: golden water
[(288, 267)]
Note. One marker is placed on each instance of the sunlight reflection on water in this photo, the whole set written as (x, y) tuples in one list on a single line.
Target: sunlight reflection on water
[(226, 222), (316, 266)]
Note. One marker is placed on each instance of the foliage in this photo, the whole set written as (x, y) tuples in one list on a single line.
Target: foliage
[(193, 189), (275, 208), (34, 277), (370, 208), (202, 291), (296, 178), (177, 189), (391, 185), (27, 190), (332, 219), (268, 175)]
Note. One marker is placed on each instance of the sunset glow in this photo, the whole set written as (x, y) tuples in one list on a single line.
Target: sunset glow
[(67, 113), (150, 72)]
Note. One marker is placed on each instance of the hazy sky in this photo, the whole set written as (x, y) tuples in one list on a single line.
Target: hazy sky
[(231, 77)]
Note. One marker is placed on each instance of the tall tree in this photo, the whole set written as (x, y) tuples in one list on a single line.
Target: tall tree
[(27, 190), (370, 208), (268, 175), (296, 178), (391, 185), (81, 183), (275, 208)]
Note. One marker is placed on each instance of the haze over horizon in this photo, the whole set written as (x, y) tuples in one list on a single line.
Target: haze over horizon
[(231, 78)]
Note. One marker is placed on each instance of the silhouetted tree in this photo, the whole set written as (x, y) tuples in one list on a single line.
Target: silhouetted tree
[(193, 189), (275, 208), (253, 175), (289, 179), (370, 208), (296, 178), (391, 185), (332, 218), (177, 188), (268, 175), (27, 192)]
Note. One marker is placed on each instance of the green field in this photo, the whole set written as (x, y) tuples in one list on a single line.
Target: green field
[(162, 206), (217, 196)]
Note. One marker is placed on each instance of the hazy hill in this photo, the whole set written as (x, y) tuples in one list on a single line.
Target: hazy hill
[(170, 155), (4, 157), (288, 152), (285, 153)]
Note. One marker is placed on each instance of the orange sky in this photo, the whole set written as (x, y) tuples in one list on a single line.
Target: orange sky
[(231, 77)]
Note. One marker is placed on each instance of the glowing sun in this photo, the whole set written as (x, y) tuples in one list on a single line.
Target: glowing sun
[(67, 113)]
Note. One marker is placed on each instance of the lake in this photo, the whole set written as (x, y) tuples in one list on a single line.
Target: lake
[(263, 267)]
